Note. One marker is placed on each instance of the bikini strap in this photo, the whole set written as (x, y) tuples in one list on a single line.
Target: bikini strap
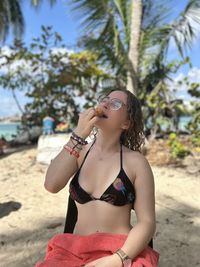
[(121, 157), (86, 155)]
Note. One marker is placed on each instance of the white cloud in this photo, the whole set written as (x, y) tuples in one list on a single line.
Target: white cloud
[(6, 50), (61, 50), (193, 76), (21, 64), (179, 77), (26, 65)]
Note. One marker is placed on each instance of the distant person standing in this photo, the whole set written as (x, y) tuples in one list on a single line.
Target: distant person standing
[(48, 125)]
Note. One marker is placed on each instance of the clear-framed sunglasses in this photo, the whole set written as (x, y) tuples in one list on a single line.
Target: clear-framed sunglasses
[(113, 103)]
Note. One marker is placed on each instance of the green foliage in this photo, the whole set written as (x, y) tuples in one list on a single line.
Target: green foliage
[(196, 140), (160, 108), (106, 30), (11, 17), (194, 125), (177, 149), (52, 78)]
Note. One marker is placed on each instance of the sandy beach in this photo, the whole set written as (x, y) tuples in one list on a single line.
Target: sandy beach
[(29, 215)]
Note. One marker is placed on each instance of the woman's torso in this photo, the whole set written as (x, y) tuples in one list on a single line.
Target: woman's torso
[(97, 176)]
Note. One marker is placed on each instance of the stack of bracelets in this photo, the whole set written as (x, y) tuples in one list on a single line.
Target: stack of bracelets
[(77, 143)]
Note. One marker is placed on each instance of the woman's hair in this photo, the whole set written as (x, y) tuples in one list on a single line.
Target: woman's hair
[(133, 137)]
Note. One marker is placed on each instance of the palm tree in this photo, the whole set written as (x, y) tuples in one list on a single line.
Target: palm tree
[(105, 29), (133, 53), (11, 17), (36, 3), (111, 27)]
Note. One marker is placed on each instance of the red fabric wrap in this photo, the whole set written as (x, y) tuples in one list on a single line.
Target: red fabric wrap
[(70, 250)]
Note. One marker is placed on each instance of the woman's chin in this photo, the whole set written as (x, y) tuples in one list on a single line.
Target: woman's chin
[(100, 123)]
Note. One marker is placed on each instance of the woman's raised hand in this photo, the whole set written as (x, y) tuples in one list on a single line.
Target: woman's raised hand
[(86, 123)]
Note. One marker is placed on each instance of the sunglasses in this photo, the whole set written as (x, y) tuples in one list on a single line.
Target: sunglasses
[(113, 103)]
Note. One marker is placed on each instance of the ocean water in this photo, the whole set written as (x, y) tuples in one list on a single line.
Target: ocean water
[(8, 130), (184, 120)]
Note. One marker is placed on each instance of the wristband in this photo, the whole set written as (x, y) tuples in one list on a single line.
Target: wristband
[(79, 139), (126, 261), (76, 145), (71, 151)]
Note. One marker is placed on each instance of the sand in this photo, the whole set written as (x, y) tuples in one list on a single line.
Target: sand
[(29, 215)]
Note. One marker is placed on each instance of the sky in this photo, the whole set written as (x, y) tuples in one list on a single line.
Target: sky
[(63, 21)]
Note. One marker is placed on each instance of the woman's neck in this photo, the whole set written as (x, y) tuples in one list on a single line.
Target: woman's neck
[(107, 143)]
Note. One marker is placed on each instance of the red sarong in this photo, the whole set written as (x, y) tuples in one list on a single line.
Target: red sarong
[(71, 250)]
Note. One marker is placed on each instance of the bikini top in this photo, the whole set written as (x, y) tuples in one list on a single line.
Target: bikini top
[(119, 193)]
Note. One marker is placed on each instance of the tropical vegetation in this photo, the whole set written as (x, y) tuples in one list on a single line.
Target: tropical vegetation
[(129, 39), (11, 17), (52, 77)]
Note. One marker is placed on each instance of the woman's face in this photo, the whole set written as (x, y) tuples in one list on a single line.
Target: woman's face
[(114, 107)]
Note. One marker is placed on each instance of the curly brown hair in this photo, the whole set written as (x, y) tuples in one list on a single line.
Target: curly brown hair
[(133, 137)]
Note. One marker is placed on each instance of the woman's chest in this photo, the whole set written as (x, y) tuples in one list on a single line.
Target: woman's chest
[(97, 175)]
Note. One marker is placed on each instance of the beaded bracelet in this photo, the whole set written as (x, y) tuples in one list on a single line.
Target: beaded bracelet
[(71, 151), (79, 139), (76, 145)]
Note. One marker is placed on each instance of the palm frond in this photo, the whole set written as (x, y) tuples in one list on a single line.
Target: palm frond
[(16, 17), (11, 17), (105, 28), (37, 3), (184, 29), (123, 8), (94, 14), (155, 13)]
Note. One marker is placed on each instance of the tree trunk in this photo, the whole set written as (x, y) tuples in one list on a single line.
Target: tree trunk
[(133, 55), (17, 102)]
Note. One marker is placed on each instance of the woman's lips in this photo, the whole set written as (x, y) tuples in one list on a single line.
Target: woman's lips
[(100, 113)]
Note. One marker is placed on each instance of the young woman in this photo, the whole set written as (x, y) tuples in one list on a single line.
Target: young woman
[(110, 177)]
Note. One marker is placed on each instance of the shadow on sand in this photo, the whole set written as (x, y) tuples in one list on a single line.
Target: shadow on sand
[(11, 150), (7, 207), (176, 238)]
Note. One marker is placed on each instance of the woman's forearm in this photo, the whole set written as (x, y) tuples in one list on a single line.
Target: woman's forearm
[(62, 167), (65, 165), (138, 238)]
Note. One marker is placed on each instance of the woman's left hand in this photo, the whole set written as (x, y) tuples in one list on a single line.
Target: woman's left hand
[(106, 261)]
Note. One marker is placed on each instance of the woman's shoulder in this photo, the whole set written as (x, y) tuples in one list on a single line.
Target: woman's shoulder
[(132, 154), (135, 158), (138, 166)]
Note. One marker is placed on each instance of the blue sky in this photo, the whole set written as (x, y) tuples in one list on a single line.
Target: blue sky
[(67, 25)]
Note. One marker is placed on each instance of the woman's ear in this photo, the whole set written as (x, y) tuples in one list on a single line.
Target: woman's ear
[(126, 125)]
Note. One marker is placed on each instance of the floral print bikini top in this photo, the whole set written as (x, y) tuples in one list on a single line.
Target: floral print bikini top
[(119, 193)]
